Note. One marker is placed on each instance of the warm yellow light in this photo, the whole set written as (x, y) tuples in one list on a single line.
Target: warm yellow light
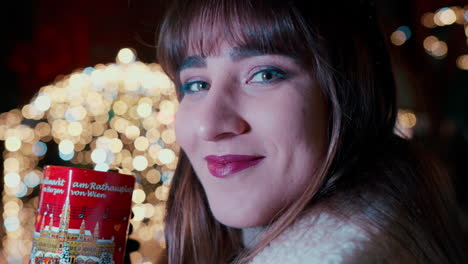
[(66, 146), (159, 210), (398, 38), (121, 125), (151, 122), (116, 145), (42, 103), (141, 143), (166, 156), (167, 106), (144, 110), (11, 165), (152, 134), (59, 127), (149, 210), (162, 192), (126, 56), (165, 117), (97, 129), (132, 132), (138, 196), (120, 107), (462, 14), (168, 136), (138, 213), (140, 163), (145, 100), (437, 20), (429, 41), (58, 111), (153, 176), (3, 130), (13, 206), (447, 16), (75, 113), (77, 81), (154, 150), (12, 179), (172, 165), (13, 144), (98, 156), (439, 49), (133, 113), (462, 62), (42, 129), (75, 128), (127, 163), (428, 20), (407, 118), (110, 133)]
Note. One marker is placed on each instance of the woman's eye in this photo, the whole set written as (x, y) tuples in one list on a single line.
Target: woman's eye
[(193, 87), (267, 75)]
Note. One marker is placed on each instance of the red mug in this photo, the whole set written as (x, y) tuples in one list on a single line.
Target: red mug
[(82, 217)]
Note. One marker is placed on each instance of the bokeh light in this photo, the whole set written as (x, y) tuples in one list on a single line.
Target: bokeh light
[(446, 16), (153, 176), (400, 36), (117, 116), (13, 144), (427, 20), (140, 163), (435, 47), (407, 118), (126, 56), (42, 103), (462, 62), (166, 156), (144, 110), (66, 147), (32, 179), (138, 196), (12, 179)]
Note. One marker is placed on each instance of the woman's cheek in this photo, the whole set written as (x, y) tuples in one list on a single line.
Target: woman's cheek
[(183, 126)]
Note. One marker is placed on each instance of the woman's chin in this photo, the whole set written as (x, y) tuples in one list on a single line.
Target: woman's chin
[(241, 219)]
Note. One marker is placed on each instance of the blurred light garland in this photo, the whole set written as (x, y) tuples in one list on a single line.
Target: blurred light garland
[(438, 49), (116, 116)]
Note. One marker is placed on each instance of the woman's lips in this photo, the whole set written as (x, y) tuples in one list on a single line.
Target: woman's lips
[(223, 166)]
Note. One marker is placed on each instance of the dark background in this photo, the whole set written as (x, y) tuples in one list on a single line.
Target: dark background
[(44, 39)]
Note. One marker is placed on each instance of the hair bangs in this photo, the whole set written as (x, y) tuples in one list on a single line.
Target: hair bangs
[(200, 29)]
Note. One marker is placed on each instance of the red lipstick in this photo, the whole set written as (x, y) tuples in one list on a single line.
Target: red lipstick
[(223, 166)]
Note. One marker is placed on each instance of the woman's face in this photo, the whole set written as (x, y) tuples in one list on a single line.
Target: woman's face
[(254, 127)]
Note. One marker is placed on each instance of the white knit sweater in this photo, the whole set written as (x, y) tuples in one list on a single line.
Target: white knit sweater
[(313, 239)]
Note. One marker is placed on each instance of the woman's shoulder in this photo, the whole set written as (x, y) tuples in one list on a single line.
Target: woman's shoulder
[(315, 238)]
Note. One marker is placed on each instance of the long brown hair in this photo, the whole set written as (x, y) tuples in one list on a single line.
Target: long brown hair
[(368, 176)]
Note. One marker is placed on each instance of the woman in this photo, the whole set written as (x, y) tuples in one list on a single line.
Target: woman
[(288, 153)]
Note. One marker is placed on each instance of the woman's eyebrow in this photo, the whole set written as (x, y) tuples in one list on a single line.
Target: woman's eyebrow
[(192, 62), (237, 54)]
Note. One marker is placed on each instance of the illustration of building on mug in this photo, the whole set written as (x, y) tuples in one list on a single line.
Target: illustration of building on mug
[(60, 245)]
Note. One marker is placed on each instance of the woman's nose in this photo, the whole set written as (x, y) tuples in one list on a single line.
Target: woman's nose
[(220, 118)]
